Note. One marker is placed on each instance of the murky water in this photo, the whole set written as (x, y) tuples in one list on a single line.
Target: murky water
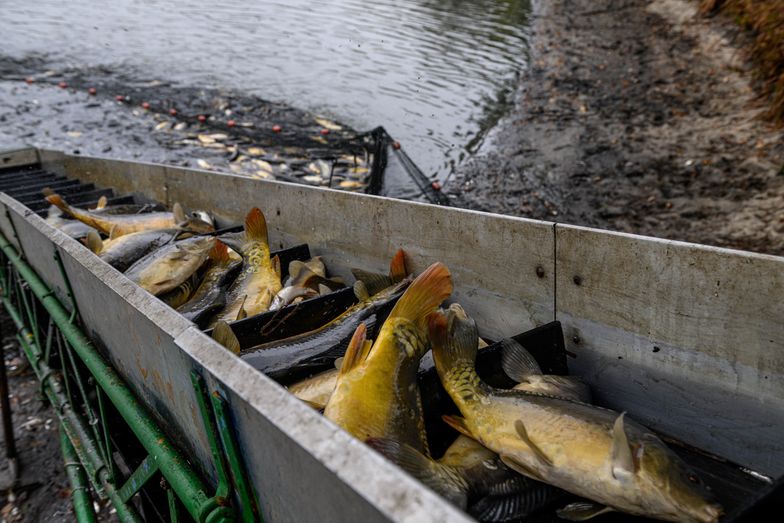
[(435, 73)]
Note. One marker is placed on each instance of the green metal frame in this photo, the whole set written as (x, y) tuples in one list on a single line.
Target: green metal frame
[(75, 377)]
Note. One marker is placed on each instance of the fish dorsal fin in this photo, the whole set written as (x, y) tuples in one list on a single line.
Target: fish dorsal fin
[(94, 242), (582, 511), (374, 281), (482, 344), (114, 232), (520, 428), (295, 267), (360, 291), (103, 201), (459, 424), (622, 459), (517, 362), (179, 213), (424, 294), (276, 266), (256, 226), (223, 334), (354, 350), (397, 267), (519, 467), (323, 290), (219, 253), (447, 481)]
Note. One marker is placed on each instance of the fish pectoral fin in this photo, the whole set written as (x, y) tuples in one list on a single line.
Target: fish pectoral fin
[(323, 290), (339, 363), (179, 213), (447, 481), (223, 334), (354, 350), (361, 290), (459, 424), (622, 460), (94, 242), (519, 467), (582, 511), (242, 313), (516, 361), (114, 232), (520, 428)]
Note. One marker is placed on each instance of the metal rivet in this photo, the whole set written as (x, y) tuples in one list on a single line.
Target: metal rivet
[(578, 280), (540, 271)]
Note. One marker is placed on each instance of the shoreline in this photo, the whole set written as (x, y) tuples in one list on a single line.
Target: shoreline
[(639, 118)]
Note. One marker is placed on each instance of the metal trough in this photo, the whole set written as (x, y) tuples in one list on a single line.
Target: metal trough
[(688, 339)]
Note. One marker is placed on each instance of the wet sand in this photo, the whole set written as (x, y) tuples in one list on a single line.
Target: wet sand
[(636, 116)]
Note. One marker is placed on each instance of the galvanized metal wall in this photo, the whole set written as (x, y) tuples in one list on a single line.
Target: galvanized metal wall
[(687, 338)]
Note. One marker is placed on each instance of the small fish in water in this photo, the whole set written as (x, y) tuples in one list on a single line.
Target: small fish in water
[(256, 151), (211, 293), (328, 124), (589, 451), (203, 164), (168, 267), (318, 348), (120, 224), (376, 395), (253, 290), (314, 179), (126, 250)]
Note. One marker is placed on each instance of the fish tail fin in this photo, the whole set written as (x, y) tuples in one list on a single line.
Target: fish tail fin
[(256, 226), (426, 293), (94, 242), (455, 340), (443, 479), (57, 200), (517, 362), (397, 267), (219, 254), (223, 334), (355, 350)]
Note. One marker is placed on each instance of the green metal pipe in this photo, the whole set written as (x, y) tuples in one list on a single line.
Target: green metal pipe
[(172, 464), (78, 434), (80, 495)]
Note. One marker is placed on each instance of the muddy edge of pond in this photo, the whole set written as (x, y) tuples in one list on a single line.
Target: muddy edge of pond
[(636, 116)]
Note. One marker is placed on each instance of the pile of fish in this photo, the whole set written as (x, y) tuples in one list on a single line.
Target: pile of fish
[(210, 278), (540, 444)]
